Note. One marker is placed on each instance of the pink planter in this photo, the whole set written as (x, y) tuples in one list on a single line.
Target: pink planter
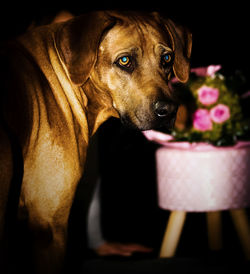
[(200, 177)]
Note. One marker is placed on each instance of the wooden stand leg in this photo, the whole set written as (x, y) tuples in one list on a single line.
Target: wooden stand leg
[(172, 234), (241, 223), (214, 230)]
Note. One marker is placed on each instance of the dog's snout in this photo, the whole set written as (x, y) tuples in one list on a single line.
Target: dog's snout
[(163, 109)]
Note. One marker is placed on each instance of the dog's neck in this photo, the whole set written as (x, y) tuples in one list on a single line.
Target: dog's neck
[(89, 105), (40, 45), (99, 106)]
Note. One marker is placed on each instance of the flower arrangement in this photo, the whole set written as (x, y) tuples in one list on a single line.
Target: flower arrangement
[(213, 107)]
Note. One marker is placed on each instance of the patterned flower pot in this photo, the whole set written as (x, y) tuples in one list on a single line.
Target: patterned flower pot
[(199, 177)]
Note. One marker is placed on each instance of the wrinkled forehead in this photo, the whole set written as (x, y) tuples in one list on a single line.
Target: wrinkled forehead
[(131, 34)]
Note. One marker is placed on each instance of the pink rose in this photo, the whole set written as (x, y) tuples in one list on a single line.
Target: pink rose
[(211, 70), (202, 120), (206, 71), (220, 113), (208, 95)]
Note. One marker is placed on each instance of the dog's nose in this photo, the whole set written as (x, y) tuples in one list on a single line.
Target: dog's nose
[(163, 109)]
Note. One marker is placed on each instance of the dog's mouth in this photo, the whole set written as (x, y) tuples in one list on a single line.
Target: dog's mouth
[(127, 122), (164, 124)]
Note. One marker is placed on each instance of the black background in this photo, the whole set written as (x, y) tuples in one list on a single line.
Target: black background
[(130, 212), (220, 29)]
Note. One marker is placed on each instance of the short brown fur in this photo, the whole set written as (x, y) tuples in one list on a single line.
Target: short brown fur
[(63, 83)]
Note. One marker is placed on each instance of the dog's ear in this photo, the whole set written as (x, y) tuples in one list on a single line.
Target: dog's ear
[(182, 46), (78, 40)]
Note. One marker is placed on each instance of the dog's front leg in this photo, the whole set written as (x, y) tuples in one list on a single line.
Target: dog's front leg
[(47, 200), (49, 247), (48, 234)]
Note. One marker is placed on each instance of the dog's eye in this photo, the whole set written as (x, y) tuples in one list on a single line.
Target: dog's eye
[(125, 61), (166, 59)]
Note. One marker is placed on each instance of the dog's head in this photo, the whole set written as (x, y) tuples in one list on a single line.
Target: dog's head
[(132, 56)]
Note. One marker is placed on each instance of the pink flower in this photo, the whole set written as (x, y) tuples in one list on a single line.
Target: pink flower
[(211, 70), (202, 120), (208, 95), (206, 71), (220, 113)]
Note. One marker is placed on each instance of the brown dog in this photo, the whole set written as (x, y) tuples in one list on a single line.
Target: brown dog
[(63, 81)]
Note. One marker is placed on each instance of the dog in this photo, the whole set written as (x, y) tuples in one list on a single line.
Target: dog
[(62, 81)]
